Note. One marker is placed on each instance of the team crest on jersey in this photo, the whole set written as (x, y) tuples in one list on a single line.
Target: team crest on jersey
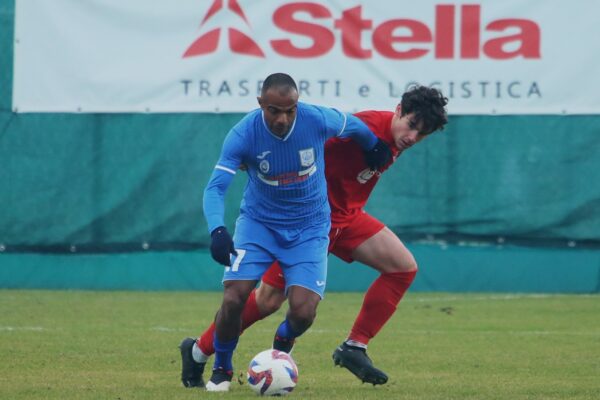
[(366, 174), (307, 157), (264, 166)]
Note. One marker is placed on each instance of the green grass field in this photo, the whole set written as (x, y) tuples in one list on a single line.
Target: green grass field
[(123, 345)]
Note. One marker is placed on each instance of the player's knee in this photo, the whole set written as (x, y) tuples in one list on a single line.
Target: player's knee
[(404, 263), (302, 317), (271, 304), (411, 265), (233, 302), (269, 299)]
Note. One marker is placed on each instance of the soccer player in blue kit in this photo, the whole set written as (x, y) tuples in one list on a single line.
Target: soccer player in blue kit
[(284, 213)]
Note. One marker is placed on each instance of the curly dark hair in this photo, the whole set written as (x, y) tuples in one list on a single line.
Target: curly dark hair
[(428, 104)]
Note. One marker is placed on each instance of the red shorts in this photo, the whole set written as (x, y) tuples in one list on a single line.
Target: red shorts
[(342, 242)]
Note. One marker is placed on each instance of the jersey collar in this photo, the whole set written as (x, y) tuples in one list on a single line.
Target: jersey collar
[(283, 139)]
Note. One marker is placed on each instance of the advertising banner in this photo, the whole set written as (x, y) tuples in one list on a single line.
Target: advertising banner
[(487, 57)]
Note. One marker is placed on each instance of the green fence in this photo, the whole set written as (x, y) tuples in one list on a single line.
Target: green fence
[(100, 183), (449, 268)]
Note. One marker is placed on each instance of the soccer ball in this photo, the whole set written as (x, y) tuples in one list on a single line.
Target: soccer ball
[(272, 373)]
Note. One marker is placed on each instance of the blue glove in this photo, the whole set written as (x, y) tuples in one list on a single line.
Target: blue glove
[(378, 156), (221, 246)]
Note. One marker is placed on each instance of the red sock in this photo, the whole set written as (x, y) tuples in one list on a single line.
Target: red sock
[(379, 304), (250, 315)]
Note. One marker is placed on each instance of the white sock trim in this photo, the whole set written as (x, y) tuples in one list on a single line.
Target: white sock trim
[(198, 355), (356, 344)]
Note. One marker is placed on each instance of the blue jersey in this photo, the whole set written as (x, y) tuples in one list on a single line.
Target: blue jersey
[(286, 175)]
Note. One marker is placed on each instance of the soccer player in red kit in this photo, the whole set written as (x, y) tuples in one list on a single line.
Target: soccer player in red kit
[(354, 235)]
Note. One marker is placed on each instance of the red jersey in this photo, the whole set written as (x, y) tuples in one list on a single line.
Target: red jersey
[(349, 180)]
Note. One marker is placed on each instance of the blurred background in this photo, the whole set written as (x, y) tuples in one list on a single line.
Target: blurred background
[(112, 118)]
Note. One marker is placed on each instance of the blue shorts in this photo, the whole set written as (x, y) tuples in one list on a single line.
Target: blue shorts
[(302, 253)]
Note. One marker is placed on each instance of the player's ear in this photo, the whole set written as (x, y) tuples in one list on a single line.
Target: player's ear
[(399, 109), (260, 102)]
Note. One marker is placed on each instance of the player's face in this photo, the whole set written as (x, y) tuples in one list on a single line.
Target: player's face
[(406, 130), (279, 107)]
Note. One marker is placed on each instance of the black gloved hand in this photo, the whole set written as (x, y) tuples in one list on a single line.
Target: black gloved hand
[(221, 246), (378, 156)]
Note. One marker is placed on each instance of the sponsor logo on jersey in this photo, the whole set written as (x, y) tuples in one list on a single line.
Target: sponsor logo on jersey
[(366, 174), (263, 154), (288, 178)]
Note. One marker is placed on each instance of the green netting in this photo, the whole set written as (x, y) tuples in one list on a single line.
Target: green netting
[(110, 181), (105, 179)]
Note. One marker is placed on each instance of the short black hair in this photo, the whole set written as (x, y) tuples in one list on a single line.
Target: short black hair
[(278, 79), (428, 104)]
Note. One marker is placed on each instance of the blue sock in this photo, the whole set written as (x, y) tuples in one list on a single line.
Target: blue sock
[(285, 331), (224, 353)]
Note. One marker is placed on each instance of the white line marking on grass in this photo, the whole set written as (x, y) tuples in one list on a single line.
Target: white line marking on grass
[(310, 331), (21, 328), (570, 333), (165, 329), (495, 297), (412, 332), (498, 332)]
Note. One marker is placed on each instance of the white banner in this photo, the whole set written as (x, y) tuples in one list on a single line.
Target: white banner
[(487, 56)]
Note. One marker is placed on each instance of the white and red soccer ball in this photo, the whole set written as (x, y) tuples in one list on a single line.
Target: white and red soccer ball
[(272, 373)]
